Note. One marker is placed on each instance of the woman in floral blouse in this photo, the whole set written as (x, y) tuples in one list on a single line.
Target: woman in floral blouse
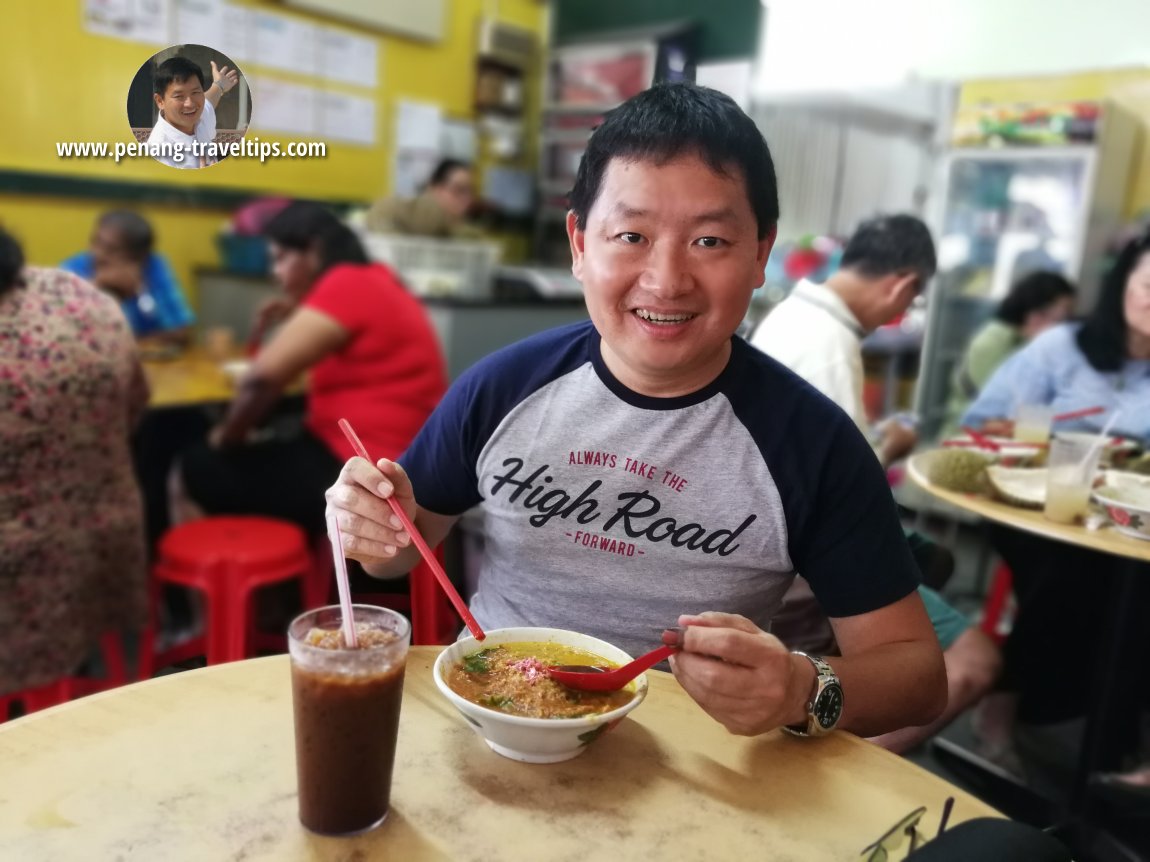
[(71, 524)]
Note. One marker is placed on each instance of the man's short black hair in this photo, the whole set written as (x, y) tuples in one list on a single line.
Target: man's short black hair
[(887, 245), (1033, 292), (445, 169), (681, 119), (134, 230), (178, 70)]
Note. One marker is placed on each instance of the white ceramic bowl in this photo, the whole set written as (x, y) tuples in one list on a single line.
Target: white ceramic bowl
[(1126, 499), (536, 740)]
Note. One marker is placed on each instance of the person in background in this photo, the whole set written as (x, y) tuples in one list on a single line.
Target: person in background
[(817, 330), (1104, 361), (121, 261), (72, 563), (604, 454), (187, 106), (439, 211), (1037, 302), (371, 356)]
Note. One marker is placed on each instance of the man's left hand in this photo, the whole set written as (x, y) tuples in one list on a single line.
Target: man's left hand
[(740, 675)]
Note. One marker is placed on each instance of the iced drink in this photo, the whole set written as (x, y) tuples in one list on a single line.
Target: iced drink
[(1032, 423), (1070, 478), (347, 706)]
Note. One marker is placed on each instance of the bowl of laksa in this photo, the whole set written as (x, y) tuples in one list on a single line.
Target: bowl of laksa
[(501, 688)]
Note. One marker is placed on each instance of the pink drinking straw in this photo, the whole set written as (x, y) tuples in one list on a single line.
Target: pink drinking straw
[(341, 581), (428, 557)]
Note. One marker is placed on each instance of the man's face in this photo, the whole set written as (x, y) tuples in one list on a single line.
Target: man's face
[(1136, 300), (182, 103), (668, 261), (114, 269)]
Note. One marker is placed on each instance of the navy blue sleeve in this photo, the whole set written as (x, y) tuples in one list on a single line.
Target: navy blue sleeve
[(441, 460), (843, 531)]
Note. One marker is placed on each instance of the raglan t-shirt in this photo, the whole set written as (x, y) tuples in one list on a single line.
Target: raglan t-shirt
[(611, 513)]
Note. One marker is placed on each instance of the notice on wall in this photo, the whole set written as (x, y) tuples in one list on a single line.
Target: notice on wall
[(347, 118), (135, 20), (284, 43), (347, 58), (282, 106)]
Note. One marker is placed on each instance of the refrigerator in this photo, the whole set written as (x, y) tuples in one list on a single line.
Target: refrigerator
[(1009, 210)]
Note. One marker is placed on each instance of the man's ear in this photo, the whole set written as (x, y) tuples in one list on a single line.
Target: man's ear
[(900, 289), (159, 102), (577, 238), (764, 252)]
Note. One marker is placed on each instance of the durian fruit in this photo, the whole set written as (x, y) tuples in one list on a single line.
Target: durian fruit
[(955, 469), (1141, 464), (1019, 486)]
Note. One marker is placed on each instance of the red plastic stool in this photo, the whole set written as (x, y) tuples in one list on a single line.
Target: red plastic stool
[(993, 610), (70, 687), (227, 558)]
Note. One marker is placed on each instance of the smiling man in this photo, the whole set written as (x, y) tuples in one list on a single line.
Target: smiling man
[(187, 122), (648, 469)]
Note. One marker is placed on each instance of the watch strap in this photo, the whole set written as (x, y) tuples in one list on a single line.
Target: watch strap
[(824, 675)]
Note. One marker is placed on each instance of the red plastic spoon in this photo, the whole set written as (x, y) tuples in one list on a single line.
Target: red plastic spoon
[(587, 678)]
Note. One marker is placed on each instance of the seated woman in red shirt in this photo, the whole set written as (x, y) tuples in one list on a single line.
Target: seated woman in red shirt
[(371, 356)]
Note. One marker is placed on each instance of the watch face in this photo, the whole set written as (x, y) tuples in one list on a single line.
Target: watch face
[(829, 706)]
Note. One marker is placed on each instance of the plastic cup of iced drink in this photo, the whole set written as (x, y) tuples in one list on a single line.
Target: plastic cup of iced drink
[(346, 704), (1032, 423), (1070, 470)]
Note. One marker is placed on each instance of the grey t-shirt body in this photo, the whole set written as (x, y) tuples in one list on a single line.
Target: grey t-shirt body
[(611, 513)]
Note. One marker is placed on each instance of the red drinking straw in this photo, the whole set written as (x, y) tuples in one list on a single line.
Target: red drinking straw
[(1079, 414), (981, 440), (428, 557)]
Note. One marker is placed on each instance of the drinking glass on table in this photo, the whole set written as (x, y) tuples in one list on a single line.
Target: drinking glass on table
[(1032, 423), (346, 704), (1070, 471)]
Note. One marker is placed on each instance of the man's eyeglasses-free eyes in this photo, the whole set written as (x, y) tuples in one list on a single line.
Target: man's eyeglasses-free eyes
[(904, 833)]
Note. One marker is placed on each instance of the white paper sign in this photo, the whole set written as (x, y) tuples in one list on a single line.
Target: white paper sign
[(200, 22), (283, 107), (238, 40), (418, 126), (347, 58), (347, 118), (284, 43)]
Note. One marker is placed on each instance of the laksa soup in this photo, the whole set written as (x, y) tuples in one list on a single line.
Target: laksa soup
[(512, 678)]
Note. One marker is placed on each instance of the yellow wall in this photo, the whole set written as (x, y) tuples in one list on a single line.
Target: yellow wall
[(1129, 88), (62, 83)]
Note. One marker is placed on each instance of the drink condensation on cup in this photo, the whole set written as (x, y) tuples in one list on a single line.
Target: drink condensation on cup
[(1070, 470), (347, 705)]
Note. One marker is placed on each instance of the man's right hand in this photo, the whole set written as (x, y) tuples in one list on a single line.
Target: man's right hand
[(370, 530), (122, 279)]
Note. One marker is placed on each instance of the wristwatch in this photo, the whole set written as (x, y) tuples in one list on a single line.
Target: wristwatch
[(826, 704)]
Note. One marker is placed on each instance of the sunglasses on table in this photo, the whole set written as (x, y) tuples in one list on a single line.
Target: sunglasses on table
[(904, 833)]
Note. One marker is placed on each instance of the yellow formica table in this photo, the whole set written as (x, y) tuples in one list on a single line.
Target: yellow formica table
[(1106, 539), (1121, 628), (200, 766), (190, 379)]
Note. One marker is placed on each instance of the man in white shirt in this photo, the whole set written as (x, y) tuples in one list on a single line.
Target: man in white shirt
[(187, 122), (817, 331)]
